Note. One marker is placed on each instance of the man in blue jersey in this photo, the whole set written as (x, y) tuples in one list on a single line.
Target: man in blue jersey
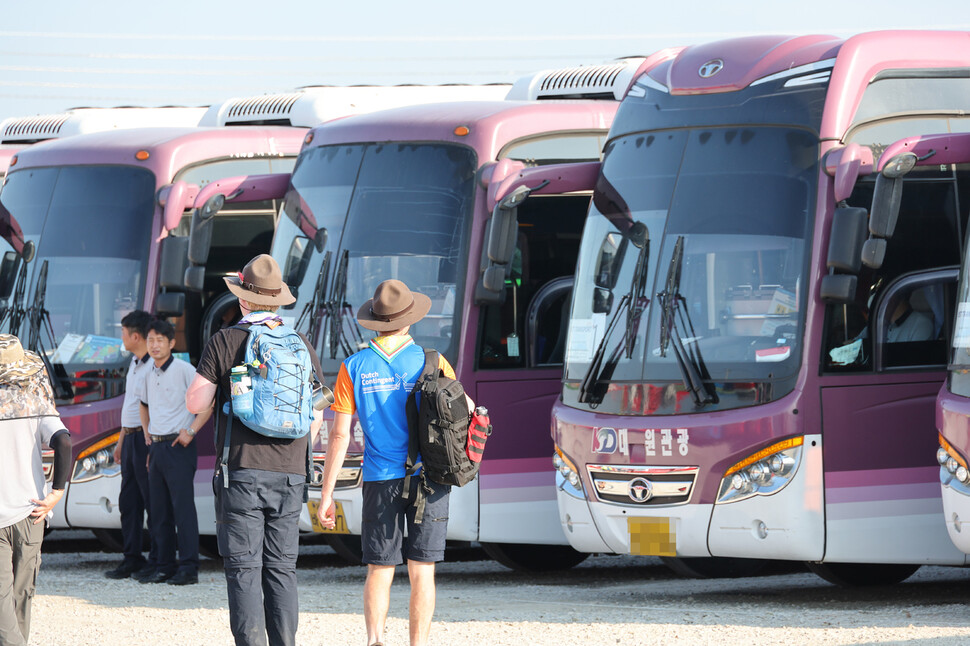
[(375, 383)]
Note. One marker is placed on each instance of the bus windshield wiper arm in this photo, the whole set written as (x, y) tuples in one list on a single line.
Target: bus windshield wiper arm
[(318, 297), (634, 303), (670, 303), (37, 316)]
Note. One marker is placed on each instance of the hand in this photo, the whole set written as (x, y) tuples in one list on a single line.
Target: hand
[(43, 507), (327, 512), (117, 451), (184, 438), (148, 437)]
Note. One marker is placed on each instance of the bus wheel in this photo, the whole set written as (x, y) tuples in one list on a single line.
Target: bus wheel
[(347, 547), (209, 546), (111, 539), (714, 567), (534, 558), (857, 575)]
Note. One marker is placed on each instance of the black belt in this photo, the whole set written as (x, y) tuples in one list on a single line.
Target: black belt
[(164, 438), (128, 430)]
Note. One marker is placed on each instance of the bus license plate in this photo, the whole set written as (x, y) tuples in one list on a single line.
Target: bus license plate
[(339, 528), (652, 537)]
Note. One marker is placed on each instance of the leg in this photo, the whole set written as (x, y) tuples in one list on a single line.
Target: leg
[(239, 530), (26, 564), (182, 487), (421, 607), (163, 518), (9, 626), (382, 535), (281, 497), (140, 473), (377, 600), (425, 545), (131, 505)]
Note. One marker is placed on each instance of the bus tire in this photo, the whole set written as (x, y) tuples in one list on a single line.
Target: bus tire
[(209, 546), (714, 567), (858, 575), (534, 558), (347, 547), (111, 539)]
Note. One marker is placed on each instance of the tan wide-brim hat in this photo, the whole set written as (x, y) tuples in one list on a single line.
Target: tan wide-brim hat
[(17, 366), (261, 283), (394, 306)]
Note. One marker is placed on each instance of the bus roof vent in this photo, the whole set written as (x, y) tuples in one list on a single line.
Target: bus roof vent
[(608, 81), (28, 130), (263, 110)]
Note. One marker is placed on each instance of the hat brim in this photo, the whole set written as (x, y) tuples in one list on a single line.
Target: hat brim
[(21, 372), (420, 308), (283, 298)]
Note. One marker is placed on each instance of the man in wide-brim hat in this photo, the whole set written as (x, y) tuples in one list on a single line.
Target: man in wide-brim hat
[(266, 476), (375, 383), (28, 421)]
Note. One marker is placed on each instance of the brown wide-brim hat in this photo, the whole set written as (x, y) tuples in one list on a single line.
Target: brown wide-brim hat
[(394, 306), (18, 367), (261, 283)]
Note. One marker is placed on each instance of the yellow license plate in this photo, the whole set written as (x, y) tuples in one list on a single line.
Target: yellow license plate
[(339, 528), (652, 537)]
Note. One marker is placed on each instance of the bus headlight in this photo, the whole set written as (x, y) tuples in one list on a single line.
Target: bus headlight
[(951, 461), (763, 473), (97, 460), (567, 469)]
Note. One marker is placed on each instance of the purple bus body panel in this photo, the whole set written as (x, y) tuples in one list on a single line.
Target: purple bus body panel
[(947, 149), (250, 188), (953, 419), (170, 151)]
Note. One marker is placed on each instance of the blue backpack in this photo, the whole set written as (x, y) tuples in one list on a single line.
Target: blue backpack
[(281, 375)]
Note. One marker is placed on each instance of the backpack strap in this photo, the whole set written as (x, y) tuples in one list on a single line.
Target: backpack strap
[(411, 466)]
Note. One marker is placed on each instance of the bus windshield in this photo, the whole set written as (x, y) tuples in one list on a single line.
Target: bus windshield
[(92, 226), (390, 211), (691, 270)]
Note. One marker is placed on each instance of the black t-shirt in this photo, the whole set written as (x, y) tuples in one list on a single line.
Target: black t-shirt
[(247, 448)]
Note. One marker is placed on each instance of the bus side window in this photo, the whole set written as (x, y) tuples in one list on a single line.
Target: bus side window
[(912, 333)]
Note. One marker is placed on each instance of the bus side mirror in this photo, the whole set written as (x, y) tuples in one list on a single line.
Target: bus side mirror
[(8, 273), (847, 239), (174, 261), (175, 198), (200, 237), (886, 200)]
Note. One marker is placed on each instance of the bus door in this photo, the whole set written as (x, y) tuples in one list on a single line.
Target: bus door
[(884, 356), (524, 295)]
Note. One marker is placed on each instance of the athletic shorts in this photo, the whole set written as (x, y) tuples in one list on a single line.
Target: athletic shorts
[(383, 520)]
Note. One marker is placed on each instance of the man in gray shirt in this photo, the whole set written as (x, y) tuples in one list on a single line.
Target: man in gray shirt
[(172, 458)]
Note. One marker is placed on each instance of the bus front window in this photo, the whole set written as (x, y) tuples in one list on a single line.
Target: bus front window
[(726, 212), (391, 211), (95, 227)]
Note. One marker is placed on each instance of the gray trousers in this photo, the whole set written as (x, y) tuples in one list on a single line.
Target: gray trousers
[(19, 563)]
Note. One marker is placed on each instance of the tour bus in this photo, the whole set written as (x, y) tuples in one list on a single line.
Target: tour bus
[(953, 403), (408, 194), (760, 319), (98, 224)]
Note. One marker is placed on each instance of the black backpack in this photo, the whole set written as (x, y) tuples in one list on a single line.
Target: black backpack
[(438, 430)]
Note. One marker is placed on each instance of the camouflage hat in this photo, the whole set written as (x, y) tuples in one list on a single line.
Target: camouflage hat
[(17, 366)]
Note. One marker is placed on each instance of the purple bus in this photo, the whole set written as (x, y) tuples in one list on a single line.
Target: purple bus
[(100, 224), (408, 194), (752, 360)]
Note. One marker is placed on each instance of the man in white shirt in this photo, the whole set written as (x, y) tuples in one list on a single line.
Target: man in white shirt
[(28, 420)]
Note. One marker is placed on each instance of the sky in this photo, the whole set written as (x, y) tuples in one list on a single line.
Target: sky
[(60, 54)]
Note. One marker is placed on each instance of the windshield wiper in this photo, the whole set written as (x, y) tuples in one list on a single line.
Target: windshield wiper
[(316, 300), (37, 316), (336, 307), (16, 311), (691, 365), (591, 390)]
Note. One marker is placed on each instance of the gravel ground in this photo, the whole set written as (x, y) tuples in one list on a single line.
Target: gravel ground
[(605, 600)]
